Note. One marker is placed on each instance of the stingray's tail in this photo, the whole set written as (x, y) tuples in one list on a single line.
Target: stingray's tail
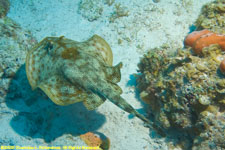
[(111, 92), (120, 102), (150, 124)]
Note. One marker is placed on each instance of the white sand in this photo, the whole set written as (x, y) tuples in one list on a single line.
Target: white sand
[(148, 25)]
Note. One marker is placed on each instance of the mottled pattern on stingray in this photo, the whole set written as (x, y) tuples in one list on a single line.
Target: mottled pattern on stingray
[(95, 46), (93, 101), (113, 73), (99, 46), (47, 60), (32, 64), (70, 72), (62, 92)]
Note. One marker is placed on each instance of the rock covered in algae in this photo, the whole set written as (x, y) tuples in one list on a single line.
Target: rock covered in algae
[(14, 43), (186, 92), (213, 136), (70, 72), (91, 9), (4, 8), (212, 17)]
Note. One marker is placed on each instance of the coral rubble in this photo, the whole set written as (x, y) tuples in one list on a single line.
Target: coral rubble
[(185, 91), (118, 12), (91, 9), (212, 17), (14, 43)]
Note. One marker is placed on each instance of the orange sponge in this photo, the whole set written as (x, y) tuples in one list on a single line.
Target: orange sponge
[(192, 37), (200, 39), (91, 139), (96, 140)]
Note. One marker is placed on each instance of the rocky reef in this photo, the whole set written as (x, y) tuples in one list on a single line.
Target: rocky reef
[(186, 92), (212, 17), (14, 44), (186, 89)]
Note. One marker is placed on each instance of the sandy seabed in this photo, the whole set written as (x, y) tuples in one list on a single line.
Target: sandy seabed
[(146, 26)]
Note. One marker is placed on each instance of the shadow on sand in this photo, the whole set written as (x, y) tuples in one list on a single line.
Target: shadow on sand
[(38, 117)]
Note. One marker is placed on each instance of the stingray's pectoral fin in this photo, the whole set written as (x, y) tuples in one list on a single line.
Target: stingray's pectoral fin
[(116, 88), (113, 73), (93, 101), (62, 92)]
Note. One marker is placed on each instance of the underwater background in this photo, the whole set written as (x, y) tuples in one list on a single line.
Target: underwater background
[(160, 77)]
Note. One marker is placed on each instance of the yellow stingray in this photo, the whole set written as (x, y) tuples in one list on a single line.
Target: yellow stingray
[(45, 59), (70, 72)]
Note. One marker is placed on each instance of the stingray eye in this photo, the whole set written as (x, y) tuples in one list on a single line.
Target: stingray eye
[(48, 46)]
